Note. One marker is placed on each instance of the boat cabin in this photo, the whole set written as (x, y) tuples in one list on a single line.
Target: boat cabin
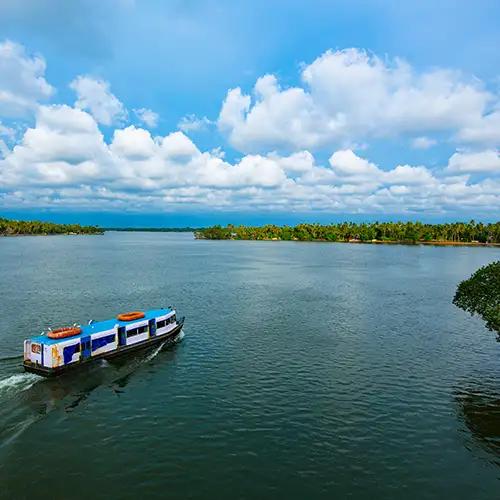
[(98, 338)]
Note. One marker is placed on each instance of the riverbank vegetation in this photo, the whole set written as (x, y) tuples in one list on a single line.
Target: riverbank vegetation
[(376, 232), (480, 294), (10, 227), (154, 229)]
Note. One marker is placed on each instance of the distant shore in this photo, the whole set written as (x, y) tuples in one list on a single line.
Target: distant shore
[(376, 242), (377, 233), (153, 229), (20, 235), (9, 228)]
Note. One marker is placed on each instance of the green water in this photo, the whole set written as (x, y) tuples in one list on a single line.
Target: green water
[(307, 370)]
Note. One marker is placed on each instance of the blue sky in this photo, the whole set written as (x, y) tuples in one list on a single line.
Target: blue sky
[(251, 111)]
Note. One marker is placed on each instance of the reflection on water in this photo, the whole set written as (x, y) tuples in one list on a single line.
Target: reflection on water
[(479, 407), (25, 397)]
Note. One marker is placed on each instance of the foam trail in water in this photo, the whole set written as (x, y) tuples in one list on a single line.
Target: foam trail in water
[(19, 382), (158, 349), (153, 354)]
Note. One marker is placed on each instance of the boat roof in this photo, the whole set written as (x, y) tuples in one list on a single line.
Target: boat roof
[(102, 326)]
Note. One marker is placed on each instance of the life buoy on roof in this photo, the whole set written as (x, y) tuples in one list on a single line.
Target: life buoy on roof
[(65, 331), (130, 316)]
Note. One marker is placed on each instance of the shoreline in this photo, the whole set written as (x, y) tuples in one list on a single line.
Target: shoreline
[(371, 242), (48, 234)]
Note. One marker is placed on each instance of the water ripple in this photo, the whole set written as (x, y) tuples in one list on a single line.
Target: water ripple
[(309, 371)]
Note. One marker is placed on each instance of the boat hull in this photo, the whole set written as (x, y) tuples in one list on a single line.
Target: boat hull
[(118, 353)]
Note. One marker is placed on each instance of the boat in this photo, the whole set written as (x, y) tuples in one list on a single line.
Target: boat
[(63, 349)]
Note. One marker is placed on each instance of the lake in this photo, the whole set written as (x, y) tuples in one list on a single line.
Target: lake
[(307, 370)]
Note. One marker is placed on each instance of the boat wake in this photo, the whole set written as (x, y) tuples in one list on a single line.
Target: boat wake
[(18, 382), (25, 398), (179, 337), (158, 349), (153, 354)]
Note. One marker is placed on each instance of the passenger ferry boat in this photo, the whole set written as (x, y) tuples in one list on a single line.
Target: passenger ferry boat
[(60, 350)]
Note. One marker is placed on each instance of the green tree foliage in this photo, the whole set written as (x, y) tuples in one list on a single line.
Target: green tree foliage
[(19, 227), (408, 232), (480, 294)]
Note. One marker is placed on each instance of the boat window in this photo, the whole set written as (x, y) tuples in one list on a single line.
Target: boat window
[(102, 341), (161, 324), (137, 331)]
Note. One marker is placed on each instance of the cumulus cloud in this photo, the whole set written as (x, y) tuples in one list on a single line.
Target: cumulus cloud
[(64, 161), (482, 130), (347, 96), (475, 162), (95, 96), (147, 116), (133, 143), (64, 147), (22, 81)]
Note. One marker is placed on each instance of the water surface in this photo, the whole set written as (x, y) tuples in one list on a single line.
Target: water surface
[(308, 370)]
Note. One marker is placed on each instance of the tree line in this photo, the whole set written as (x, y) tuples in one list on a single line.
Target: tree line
[(10, 227), (409, 232), (153, 229)]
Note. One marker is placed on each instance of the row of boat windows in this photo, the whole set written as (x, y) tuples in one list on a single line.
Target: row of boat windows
[(100, 342), (165, 322), (145, 328), (137, 331), (96, 343)]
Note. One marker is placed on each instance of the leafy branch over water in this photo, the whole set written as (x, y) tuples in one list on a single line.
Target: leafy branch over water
[(18, 227), (408, 232), (480, 294)]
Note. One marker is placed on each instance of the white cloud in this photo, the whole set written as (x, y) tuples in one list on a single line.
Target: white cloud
[(423, 142), (147, 116), (234, 110), (177, 145), (64, 147), (22, 81), (409, 176), (191, 123), (475, 162), (64, 160), (297, 163), (348, 164), (349, 96), (133, 143), (482, 130), (96, 97)]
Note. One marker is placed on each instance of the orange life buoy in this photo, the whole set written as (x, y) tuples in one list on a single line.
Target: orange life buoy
[(66, 331), (130, 316)]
